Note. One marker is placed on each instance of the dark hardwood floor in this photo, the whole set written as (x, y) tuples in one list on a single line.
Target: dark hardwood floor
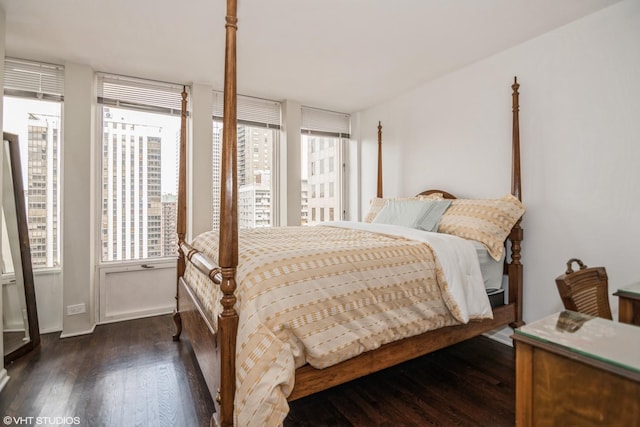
[(469, 384), (12, 340), (133, 374), (124, 374)]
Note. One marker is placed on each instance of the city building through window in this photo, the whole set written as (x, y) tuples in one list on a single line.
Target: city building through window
[(33, 95), (258, 133), (324, 137), (140, 144)]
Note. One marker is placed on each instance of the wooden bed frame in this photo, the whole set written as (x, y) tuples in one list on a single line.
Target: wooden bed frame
[(215, 350)]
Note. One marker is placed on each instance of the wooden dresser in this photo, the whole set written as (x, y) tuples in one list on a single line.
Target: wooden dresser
[(629, 304), (577, 370)]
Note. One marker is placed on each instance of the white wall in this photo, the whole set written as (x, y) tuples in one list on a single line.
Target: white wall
[(354, 211), (3, 372), (49, 299), (78, 207), (48, 286), (580, 121), (199, 158), (290, 184)]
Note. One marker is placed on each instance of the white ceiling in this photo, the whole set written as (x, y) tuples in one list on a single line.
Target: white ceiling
[(344, 55)]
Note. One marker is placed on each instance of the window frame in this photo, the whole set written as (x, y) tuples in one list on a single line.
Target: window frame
[(252, 112), (40, 82), (163, 98), (325, 123)]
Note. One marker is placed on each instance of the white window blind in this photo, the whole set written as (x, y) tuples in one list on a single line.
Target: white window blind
[(29, 79), (251, 111), (325, 123), (139, 94)]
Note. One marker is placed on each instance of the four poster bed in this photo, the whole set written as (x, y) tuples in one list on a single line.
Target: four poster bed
[(277, 314)]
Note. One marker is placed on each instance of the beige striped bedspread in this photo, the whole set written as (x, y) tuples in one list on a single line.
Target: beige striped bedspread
[(324, 294)]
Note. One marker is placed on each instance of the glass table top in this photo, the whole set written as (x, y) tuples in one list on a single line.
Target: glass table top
[(601, 339), (633, 288)]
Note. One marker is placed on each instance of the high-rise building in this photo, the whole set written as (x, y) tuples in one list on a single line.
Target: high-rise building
[(256, 146), (43, 207), (216, 170), (169, 216), (255, 151), (304, 219), (132, 206), (323, 191), (254, 202)]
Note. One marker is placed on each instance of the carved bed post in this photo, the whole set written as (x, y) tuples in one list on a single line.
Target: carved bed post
[(516, 235), (228, 246), (516, 187), (379, 192), (181, 220)]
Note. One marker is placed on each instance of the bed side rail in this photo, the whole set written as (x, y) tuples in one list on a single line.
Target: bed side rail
[(202, 263)]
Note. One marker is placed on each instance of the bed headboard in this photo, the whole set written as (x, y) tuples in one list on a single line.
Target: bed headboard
[(445, 194)]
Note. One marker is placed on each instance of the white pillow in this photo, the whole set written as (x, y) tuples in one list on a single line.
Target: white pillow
[(431, 215), (377, 203), (401, 212)]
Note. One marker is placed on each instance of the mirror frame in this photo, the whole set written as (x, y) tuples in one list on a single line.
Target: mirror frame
[(25, 250)]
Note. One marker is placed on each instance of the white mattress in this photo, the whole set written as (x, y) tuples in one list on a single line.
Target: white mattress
[(490, 268)]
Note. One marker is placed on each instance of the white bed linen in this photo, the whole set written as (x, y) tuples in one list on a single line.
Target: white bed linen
[(492, 270), (458, 258)]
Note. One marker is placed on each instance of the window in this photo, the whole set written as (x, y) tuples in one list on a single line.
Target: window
[(324, 137), (33, 95), (140, 139), (258, 138)]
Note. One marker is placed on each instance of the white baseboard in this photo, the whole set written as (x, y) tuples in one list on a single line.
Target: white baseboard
[(122, 318), (50, 330), (15, 329), (4, 379), (75, 334), (138, 315), (501, 335)]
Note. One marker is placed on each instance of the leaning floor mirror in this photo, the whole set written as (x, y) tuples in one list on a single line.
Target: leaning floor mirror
[(20, 330)]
